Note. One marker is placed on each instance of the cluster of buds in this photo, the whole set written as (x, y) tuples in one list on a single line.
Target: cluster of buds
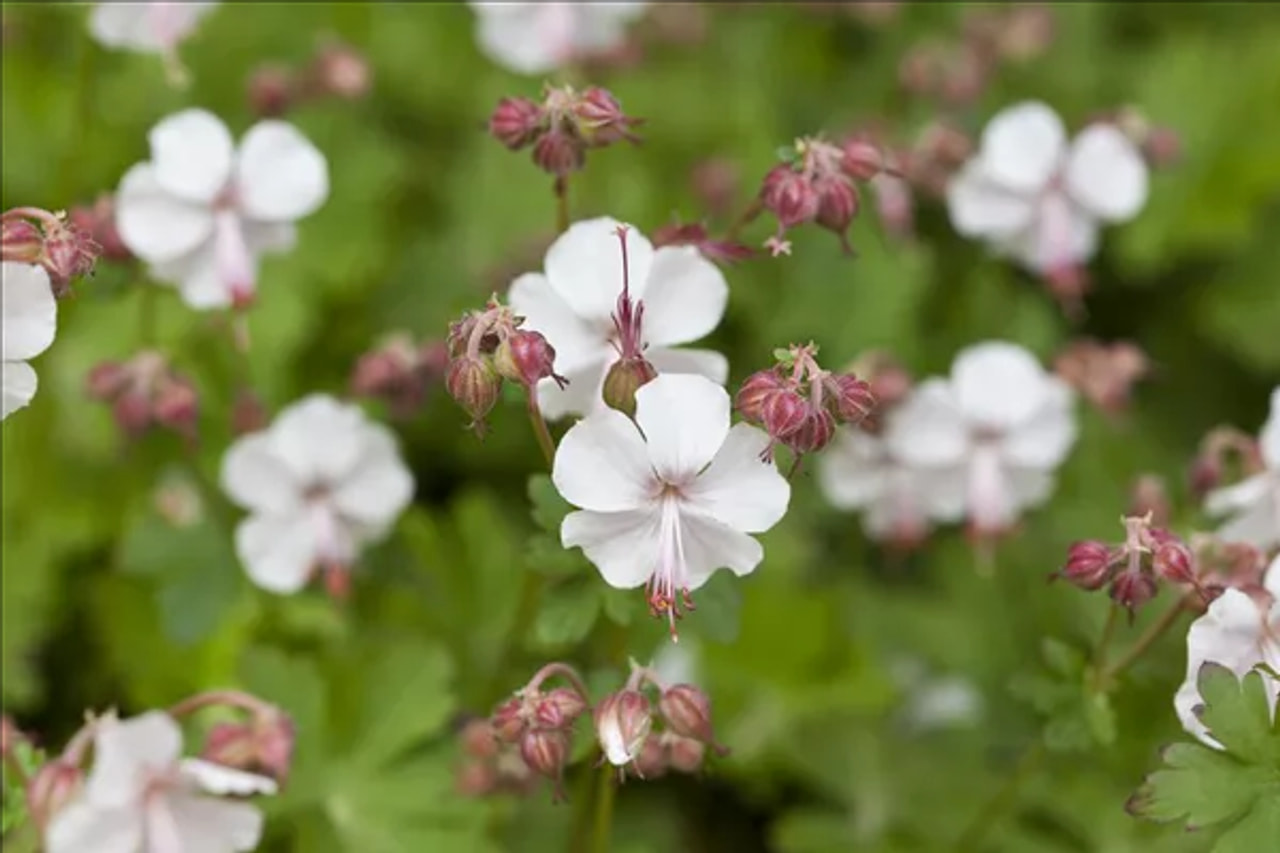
[(399, 372), (336, 70), (145, 391), (815, 182), (263, 744), (562, 127), (887, 379), (1225, 453), (488, 346), (540, 722), (1229, 565), (799, 404), (29, 235), (1133, 569), (1103, 373), (489, 765)]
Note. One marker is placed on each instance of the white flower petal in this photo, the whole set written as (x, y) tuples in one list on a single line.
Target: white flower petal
[(1022, 146), (17, 386), (30, 311), (80, 827), (940, 492), (853, 470), (219, 779), (257, 479), (1061, 237), (192, 154), (146, 27), (1106, 174), (1243, 495), (685, 297), (380, 487), (739, 488), (117, 24), (1269, 436), (584, 266), (505, 33), (583, 395), (709, 545), (577, 343), (980, 207), (1271, 582), (612, 742), (1227, 634), (601, 26), (703, 362), (319, 438), (1044, 439), (155, 224), (209, 825), (602, 464), (126, 752), (1257, 524), (685, 420), (622, 545), (262, 237), (999, 385), (280, 175), (278, 551), (1029, 487), (927, 428)]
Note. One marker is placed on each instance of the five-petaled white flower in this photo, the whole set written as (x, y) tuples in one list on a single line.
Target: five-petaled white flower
[(1254, 503), (533, 38), (573, 300), (671, 498), (29, 322), (1000, 422), (201, 212), (320, 482), (1238, 632), (146, 27), (1031, 195), (141, 796)]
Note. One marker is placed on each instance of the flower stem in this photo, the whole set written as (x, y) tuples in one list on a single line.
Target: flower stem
[(1145, 640), (603, 826), (562, 204), (1003, 799), (540, 430), (147, 314), (1104, 642)]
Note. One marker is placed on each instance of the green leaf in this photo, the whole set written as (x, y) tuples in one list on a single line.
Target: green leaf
[(406, 699), (1100, 717), (295, 685), (1257, 831), (568, 613), (545, 555), (549, 509), (620, 605), (719, 609), (1238, 714)]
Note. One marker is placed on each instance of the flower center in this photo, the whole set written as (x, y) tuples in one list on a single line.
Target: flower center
[(990, 506), (335, 548), (668, 588)]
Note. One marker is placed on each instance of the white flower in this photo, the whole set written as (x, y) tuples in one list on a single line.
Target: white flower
[(572, 302), (146, 27), (1254, 503), (1001, 422), (1236, 632), (141, 796), (1030, 194), (319, 483), (857, 471), (669, 499), (201, 212), (533, 38), (29, 321)]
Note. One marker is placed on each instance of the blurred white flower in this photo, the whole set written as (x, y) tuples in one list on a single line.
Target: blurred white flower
[(933, 702), (142, 795), (1030, 194), (321, 482), (146, 27), (201, 212), (29, 322), (1237, 632), (573, 300), (671, 498), (533, 38), (1254, 503), (1000, 421)]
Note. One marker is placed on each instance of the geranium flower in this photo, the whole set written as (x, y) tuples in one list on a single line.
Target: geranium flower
[(1031, 195), (573, 300), (669, 499), (533, 38), (1001, 419), (201, 212), (141, 796), (320, 483), (29, 323), (1238, 632), (146, 27), (1254, 503)]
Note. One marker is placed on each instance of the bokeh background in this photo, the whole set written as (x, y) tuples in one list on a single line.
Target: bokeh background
[(826, 665)]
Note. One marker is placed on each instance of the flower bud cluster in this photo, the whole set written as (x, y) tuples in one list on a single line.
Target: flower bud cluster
[(263, 744), (1104, 374), (799, 404), (33, 236), (1224, 454), (562, 127), (145, 391), (399, 372), (1228, 565), (539, 723), (489, 765), (695, 234), (336, 70)]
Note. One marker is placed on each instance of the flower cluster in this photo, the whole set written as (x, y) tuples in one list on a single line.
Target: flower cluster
[(562, 127), (63, 249), (540, 722), (146, 391), (336, 70), (1104, 374), (1132, 570), (399, 372)]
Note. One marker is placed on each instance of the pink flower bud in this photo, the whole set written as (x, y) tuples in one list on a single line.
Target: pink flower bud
[(21, 241), (475, 779), (264, 745), (106, 380), (837, 205), (687, 712), (132, 412), (1089, 564), (545, 751), (651, 763), (51, 788), (559, 708), (694, 234), (861, 160), (852, 397), (515, 122), (339, 70), (176, 405), (248, 414), (783, 413), (508, 720), (758, 388), (474, 384), (478, 739), (1163, 147), (1133, 588), (686, 754), (624, 378), (271, 90), (622, 722), (559, 154), (816, 433), (1173, 562), (789, 196), (600, 118), (526, 357), (69, 253), (99, 222)]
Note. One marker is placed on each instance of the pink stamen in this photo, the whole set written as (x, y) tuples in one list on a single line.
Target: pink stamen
[(232, 257), (668, 588)]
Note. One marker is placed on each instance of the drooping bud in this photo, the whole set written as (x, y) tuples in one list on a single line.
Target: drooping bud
[(694, 234), (272, 90), (339, 70), (515, 122), (509, 720), (478, 739), (851, 396), (790, 196), (546, 751), (1089, 565), (526, 357), (625, 377), (758, 389), (651, 763), (837, 206), (1173, 562), (559, 708), (814, 434), (21, 241), (622, 722), (559, 154), (783, 414), (51, 788), (861, 160), (685, 754), (1131, 589), (65, 251), (1104, 374), (145, 391), (601, 119), (263, 745), (176, 405), (687, 711), (475, 385), (475, 779)]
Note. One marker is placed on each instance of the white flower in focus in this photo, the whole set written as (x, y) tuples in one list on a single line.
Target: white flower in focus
[(201, 212), (1237, 632), (1000, 421), (141, 796), (1030, 194), (669, 499), (573, 300), (321, 482), (146, 27), (533, 38), (1254, 503), (29, 322)]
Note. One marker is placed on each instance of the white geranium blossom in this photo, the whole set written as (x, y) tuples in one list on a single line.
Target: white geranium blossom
[(533, 38), (29, 322), (573, 300), (1237, 632), (201, 212), (321, 482), (670, 498), (1000, 422), (1254, 503), (146, 27), (1030, 194), (142, 796)]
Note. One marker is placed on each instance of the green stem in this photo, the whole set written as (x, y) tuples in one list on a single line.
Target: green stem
[(1104, 642), (562, 204), (602, 830), (147, 314), (1003, 799), (1145, 640), (540, 430), (584, 805)]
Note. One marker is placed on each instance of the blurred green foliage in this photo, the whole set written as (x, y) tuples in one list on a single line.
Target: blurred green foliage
[(106, 604)]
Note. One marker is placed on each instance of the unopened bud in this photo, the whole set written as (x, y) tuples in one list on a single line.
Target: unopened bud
[(51, 788), (687, 712), (474, 384), (339, 70), (508, 720), (758, 388), (545, 751), (271, 91), (263, 745), (478, 739), (622, 722), (515, 122), (784, 413), (861, 160), (526, 357), (69, 254), (1131, 589), (816, 432), (1088, 565), (600, 118), (176, 405), (21, 241), (475, 779), (559, 708), (559, 154), (685, 754), (651, 763), (106, 380), (1149, 497), (1173, 562), (1163, 147), (625, 377), (132, 412), (837, 204), (852, 397), (789, 196)]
